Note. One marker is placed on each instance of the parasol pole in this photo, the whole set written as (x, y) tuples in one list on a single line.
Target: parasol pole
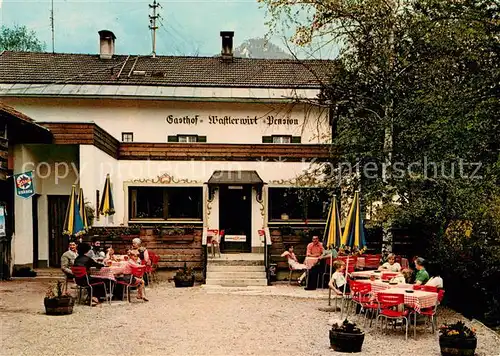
[(345, 284)]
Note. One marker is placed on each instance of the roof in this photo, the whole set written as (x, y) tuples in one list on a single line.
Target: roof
[(66, 68), (22, 128), (235, 177)]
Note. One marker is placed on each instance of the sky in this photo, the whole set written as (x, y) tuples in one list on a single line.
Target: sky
[(187, 27)]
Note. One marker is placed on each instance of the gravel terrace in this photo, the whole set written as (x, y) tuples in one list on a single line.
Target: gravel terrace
[(193, 321)]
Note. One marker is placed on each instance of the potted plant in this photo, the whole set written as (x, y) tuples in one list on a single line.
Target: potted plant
[(184, 277), (56, 302), (457, 339), (346, 337)]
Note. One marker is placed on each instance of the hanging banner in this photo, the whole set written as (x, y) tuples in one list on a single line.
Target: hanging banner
[(3, 231), (25, 186)]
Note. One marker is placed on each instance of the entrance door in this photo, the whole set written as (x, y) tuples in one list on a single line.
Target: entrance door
[(235, 217), (58, 243)]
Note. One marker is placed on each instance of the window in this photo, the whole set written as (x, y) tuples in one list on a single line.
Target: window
[(187, 138), (298, 203), (281, 139), (127, 137), (159, 203)]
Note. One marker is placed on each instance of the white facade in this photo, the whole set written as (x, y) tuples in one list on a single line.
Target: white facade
[(58, 167)]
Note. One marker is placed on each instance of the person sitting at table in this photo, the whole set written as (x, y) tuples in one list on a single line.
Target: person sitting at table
[(391, 264), (404, 277), (143, 252), (133, 261), (338, 281), (110, 256), (435, 280), (293, 262), (83, 260), (68, 259), (422, 275), (314, 248)]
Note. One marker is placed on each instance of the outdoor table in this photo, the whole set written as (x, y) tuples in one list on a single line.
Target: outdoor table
[(109, 273), (379, 286), (417, 300)]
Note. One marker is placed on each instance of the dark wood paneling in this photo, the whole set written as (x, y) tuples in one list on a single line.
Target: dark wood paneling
[(222, 152)]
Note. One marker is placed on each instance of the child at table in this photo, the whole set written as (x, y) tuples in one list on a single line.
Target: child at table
[(391, 264), (422, 276), (338, 281), (110, 256), (133, 262)]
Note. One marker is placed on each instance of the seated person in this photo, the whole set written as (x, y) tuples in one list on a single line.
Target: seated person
[(67, 260), (294, 262), (143, 251), (391, 264), (83, 260), (133, 261), (110, 256), (314, 249), (338, 280), (435, 280), (422, 276), (404, 277)]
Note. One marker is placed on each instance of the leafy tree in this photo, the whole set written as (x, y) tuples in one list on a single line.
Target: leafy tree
[(19, 38), (416, 86)]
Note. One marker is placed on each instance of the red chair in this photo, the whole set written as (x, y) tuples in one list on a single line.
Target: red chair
[(83, 282), (430, 313), (367, 301), (151, 269), (138, 273), (361, 293), (391, 306), (387, 276), (372, 262), (429, 289)]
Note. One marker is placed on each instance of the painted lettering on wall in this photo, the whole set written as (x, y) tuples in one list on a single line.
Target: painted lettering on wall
[(230, 120)]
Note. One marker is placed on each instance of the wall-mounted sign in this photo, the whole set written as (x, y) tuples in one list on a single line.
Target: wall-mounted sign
[(25, 186), (3, 231), (235, 238), (230, 120)]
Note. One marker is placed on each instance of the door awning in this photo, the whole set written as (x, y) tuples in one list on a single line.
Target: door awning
[(235, 177)]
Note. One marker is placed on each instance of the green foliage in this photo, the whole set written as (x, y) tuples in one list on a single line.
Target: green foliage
[(89, 209), (346, 327), (416, 86), (19, 38), (185, 274), (458, 329)]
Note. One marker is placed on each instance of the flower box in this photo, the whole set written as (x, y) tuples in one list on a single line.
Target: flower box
[(457, 346), (59, 305), (346, 337), (182, 283)]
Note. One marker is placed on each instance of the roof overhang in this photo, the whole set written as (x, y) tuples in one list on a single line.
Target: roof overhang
[(235, 178), (21, 128), (183, 93)]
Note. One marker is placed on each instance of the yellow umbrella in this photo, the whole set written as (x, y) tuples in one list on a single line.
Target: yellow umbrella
[(83, 212), (73, 224), (107, 207), (354, 235)]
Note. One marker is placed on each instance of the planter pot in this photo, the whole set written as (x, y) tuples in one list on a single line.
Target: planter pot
[(180, 283), (452, 346), (59, 306), (346, 342)]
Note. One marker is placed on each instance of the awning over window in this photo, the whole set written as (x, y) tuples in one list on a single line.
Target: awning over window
[(235, 177)]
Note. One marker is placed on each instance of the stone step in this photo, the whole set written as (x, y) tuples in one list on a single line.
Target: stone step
[(216, 262), (242, 282), (236, 275), (224, 268)]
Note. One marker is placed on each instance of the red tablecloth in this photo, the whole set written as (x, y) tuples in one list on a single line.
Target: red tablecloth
[(417, 300)]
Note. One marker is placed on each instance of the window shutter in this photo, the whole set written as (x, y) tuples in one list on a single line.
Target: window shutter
[(202, 138), (267, 139), (296, 139), (172, 139)]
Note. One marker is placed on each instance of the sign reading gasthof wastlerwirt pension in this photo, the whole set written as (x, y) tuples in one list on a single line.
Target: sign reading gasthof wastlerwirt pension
[(25, 186), (268, 120)]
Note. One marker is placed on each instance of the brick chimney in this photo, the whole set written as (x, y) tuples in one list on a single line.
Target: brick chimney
[(227, 45), (106, 44)]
